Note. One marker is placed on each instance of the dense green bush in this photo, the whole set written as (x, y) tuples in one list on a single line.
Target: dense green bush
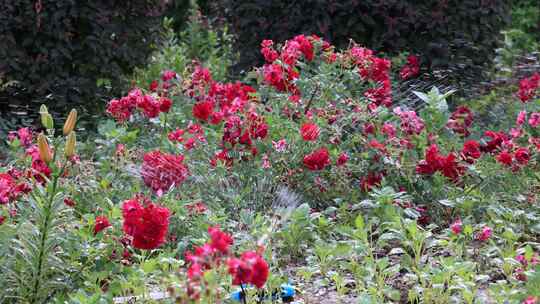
[(526, 17), (453, 31), (66, 50), (179, 11), (198, 41)]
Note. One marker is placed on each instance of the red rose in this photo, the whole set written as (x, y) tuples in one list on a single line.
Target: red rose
[(165, 104), (219, 240), (102, 222), (471, 151), (522, 156), (147, 225), (161, 171), (342, 159), (309, 131), (504, 158), (249, 268), (202, 110), (317, 160)]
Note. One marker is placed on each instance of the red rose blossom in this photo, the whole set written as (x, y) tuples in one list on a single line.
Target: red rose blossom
[(456, 227), (162, 171), (309, 131), (471, 151), (147, 224), (317, 160), (219, 240), (202, 110), (250, 268)]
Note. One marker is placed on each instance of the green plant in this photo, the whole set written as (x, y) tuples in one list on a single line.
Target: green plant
[(34, 264), (296, 233), (198, 41)]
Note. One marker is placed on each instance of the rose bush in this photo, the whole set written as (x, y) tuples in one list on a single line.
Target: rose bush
[(309, 159)]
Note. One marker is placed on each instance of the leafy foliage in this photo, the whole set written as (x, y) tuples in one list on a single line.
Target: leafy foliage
[(65, 52), (445, 32), (315, 172)]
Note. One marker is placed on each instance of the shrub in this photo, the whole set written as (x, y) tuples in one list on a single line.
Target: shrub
[(455, 31), (179, 11), (67, 50), (198, 41), (126, 213)]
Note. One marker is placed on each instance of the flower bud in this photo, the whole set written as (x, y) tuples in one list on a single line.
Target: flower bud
[(69, 125), (47, 121), (44, 150), (43, 109), (69, 149)]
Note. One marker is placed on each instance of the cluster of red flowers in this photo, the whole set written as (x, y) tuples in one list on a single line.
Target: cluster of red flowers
[(162, 171), (189, 139), (249, 268), (515, 159), (377, 70), (411, 68), (495, 141), (434, 161), (230, 103), (507, 152), (121, 109), (280, 70), (150, 104), (528, 87), (145, 222), (11, 188)]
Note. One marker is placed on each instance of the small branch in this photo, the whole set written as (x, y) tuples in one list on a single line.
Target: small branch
[(311, 99)]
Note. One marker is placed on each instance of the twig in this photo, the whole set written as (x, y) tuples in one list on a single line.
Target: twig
[(311, 99)]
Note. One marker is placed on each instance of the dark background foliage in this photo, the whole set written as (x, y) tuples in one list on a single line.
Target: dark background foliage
[(458, 33), (66, 52)]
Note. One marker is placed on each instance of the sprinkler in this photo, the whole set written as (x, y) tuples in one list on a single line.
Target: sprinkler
[(286, 294)]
